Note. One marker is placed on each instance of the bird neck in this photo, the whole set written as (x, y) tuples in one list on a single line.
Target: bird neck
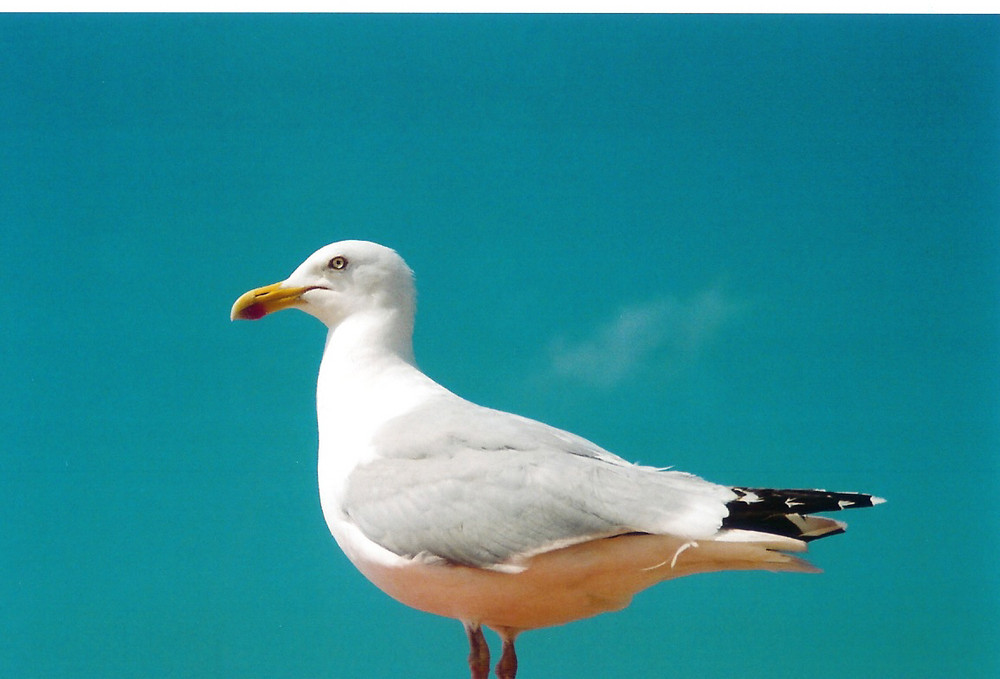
[(370, 338), (368, 356), (367, 377)]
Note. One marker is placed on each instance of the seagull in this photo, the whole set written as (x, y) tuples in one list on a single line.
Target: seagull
[(490, 518)]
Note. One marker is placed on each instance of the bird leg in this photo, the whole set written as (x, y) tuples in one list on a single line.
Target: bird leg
[(479, 652), (507, 667)]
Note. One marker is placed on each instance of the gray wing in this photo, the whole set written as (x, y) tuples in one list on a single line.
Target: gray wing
[(480, 487)]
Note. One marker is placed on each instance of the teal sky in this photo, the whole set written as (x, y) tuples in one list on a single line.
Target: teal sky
[(764, 250)]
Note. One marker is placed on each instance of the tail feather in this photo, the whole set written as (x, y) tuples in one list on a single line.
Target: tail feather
[(786, 512)]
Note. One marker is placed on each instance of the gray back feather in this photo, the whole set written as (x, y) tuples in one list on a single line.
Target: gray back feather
[(480, 487)]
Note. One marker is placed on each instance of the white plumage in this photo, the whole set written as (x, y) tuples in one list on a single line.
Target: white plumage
[(491, 518)]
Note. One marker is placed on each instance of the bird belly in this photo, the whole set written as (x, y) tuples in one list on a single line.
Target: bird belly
[(554, 587)]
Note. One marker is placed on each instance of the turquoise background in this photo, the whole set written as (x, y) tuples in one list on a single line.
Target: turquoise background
[(761, 249)]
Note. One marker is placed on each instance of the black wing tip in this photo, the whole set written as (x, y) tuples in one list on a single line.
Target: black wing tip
[(798, 500), (786, 511)]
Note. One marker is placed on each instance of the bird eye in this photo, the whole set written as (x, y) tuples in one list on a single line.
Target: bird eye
[(338, 263)]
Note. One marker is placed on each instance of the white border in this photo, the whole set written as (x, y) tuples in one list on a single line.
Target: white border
[(520, 6)]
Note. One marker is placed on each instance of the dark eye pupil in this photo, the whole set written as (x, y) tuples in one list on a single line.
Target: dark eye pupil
[(338, 263)]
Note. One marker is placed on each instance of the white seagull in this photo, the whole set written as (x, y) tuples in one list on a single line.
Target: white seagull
[(491, 518)]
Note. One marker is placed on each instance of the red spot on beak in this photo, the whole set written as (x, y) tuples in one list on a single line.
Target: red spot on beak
[(253, 312)]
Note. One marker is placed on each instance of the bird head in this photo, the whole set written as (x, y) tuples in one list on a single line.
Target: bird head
[(335, 282)]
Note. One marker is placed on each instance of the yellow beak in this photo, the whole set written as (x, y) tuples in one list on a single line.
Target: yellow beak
[(262, 301)]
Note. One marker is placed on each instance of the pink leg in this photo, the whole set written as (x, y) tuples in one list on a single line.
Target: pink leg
[(507, 667), (479, 652)]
